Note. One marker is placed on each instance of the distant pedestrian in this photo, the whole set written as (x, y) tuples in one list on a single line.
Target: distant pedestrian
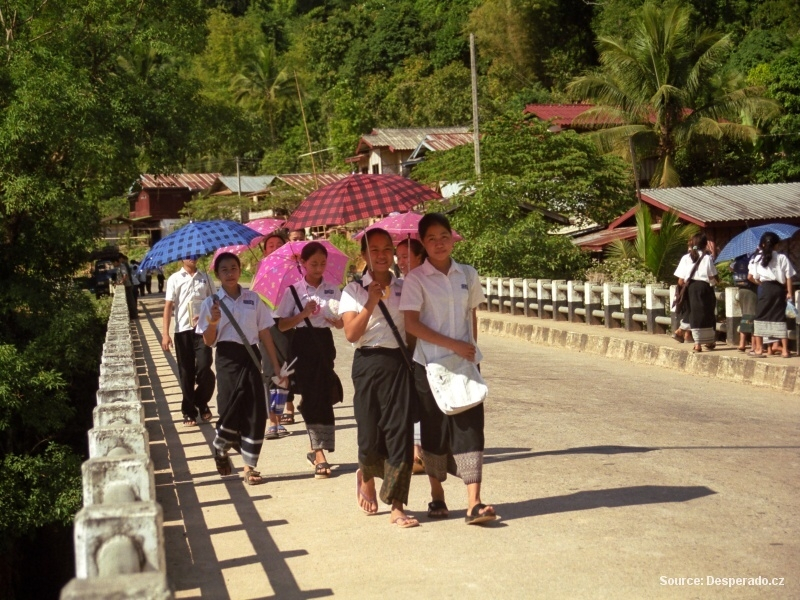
[(125, 277), (773, 273), (748, 297), (439, 301), (186, 291), (696, 269), (160, 277)]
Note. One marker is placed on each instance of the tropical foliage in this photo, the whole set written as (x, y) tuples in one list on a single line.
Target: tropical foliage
[(664, 87)]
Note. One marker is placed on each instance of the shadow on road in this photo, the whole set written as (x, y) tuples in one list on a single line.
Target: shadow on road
[(611, 498)]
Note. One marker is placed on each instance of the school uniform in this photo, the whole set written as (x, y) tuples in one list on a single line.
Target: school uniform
[(382, 402), (313, 347), (241, 400), (700, 316), (187, 292), (770, 321), (451, 444)]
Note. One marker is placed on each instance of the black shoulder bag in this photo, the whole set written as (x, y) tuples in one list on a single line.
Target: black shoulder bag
[(681, 295)]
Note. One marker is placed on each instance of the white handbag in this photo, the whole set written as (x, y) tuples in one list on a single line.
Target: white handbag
[(456, 383)]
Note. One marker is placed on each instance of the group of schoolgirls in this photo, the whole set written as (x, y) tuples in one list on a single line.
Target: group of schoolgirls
[(396, 325)]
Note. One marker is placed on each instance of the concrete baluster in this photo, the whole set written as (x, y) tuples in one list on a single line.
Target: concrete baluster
[(543, 296), (733, 315), (559, 296), (631, 305), (655, 308), (611, 305)]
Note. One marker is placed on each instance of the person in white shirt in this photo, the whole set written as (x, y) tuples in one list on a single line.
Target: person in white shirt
[(382, 380), (186, 291), (311, 307), (773, 274), (696, 269), (439, 301), (241, 398)]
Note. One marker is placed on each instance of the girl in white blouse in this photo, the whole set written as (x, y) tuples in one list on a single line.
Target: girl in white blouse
[(773, 273), (696, 269)]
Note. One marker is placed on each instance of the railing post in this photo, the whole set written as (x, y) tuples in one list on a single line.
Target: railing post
[(525, 298), (673, 314), (733, 314), (542, 295), (559, 297), (655, 308), (611, 304), (501, 294), (632, 304), (591, 301), (512, 297), (575, 290)]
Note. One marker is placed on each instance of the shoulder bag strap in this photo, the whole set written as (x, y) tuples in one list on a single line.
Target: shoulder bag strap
[(300, 306), (400, 341), (246, 344)]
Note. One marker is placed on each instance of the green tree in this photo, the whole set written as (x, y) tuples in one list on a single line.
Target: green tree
[(663, 87), (656, 251)]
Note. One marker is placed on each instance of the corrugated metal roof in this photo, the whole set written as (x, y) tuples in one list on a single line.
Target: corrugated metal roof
[(439, 142), (250, 183), (305, 181), (402, 139), (560, 114), (194, 181), (598, 240), (726, 203)]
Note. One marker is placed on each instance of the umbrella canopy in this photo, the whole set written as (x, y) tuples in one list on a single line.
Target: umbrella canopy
[(401, 226), (198, 239), (357, 197), (281, 269), (747, 241), (263, 226)]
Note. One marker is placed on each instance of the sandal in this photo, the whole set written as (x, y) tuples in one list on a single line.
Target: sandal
[(437, 509), (206, 415), (418, 466), (189, 421), (405, 522), (223, 464), (362, 496), (287, 419), (322, 470), (311, 457), (253, 477), (476, 517), (711, 346), (272, 433), (283, 432)]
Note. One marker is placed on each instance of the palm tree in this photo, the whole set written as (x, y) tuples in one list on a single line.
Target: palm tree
[(262, 84), (658, 252), (663, 87)]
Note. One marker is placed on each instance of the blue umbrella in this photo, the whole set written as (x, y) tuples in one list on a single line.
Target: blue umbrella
[(197, 239), (747, 241)]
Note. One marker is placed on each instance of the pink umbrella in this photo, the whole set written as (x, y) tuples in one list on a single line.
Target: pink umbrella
[(263, 226), (282, 268), (401, 226)]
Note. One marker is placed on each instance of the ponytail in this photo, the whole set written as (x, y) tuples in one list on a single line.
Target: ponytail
[(698, 245), (768, 242)]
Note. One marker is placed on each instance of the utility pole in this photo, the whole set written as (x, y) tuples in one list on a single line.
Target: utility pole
[(244, 214), (476, 137), (308, 137), (635, 173)]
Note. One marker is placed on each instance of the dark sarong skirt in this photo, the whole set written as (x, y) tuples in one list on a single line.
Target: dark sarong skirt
[(747, 301), (316, 382), (241, 402), (450, 444), (382, 406), (770, 321), (702, 312)]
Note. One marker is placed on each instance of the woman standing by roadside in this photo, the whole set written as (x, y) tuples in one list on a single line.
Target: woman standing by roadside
[(382, 380), (773, 274), (241, 401), (696, 269), (305, 306), (439, 302)]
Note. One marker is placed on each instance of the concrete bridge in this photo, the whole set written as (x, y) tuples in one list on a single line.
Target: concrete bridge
[(622, 466)]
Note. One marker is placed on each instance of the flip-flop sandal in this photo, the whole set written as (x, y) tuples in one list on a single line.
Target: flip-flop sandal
[(474, 517), (253, 477), (437, 509), (754, 355), (189, 422), (287, 419), (206, 415), (362, 496), (272, 433), (405, 522), (223, 464), (322, 471), (283, 432)]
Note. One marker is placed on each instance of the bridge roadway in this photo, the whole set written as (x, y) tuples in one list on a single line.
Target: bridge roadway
[(613, 480)]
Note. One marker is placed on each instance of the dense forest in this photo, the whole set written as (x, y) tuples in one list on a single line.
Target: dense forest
[(94, 93)]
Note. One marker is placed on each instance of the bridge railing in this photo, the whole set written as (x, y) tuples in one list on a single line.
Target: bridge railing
[(119, 538), (629, 306)]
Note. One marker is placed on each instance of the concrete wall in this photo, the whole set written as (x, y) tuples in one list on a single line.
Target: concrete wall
[(119, 539)]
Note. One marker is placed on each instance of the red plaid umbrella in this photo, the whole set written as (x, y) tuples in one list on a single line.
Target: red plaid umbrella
[(359, 197)]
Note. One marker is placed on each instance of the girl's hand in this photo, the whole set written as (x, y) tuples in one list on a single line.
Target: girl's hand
[(309, 308), (216, 313), (465, 350), (375, 291)]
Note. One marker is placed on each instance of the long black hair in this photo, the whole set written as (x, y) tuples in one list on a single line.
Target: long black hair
[(698, 244), (768, 242)]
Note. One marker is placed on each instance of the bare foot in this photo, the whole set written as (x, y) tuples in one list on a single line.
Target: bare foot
[(367, 500)]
